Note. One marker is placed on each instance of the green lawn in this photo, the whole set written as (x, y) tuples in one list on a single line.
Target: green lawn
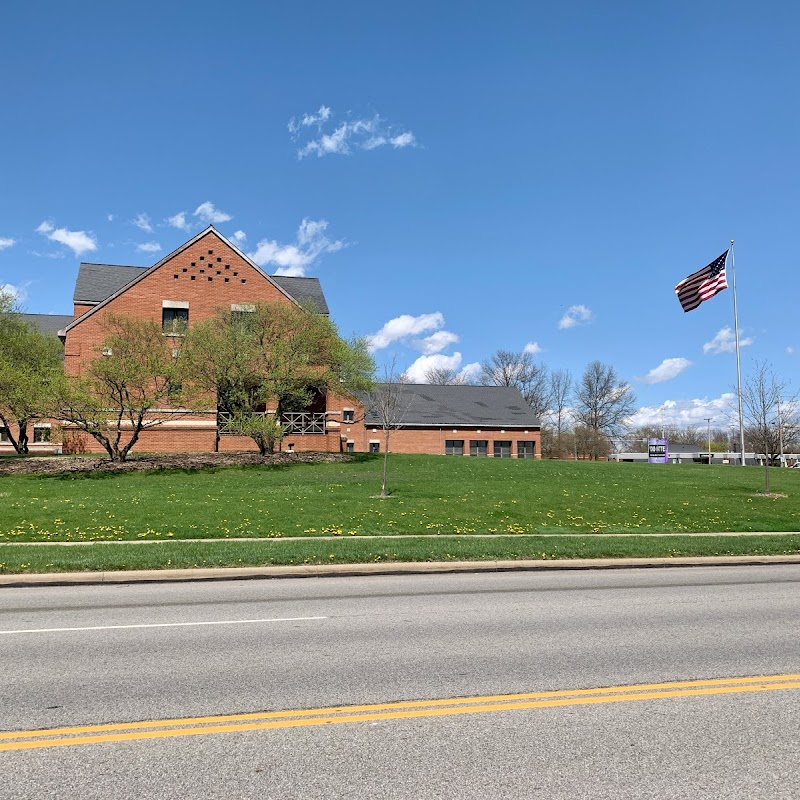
[(174, 555), (431, 494)]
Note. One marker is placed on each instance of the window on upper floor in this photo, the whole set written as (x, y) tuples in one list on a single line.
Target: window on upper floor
[(242, 313), (174, 320), (348, 415)]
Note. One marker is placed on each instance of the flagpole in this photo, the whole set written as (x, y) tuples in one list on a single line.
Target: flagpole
[(738, 360)]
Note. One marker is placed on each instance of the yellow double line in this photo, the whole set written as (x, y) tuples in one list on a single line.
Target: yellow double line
[(300, 718)]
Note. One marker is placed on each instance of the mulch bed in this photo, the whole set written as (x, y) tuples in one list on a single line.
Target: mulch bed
[(57, 465)]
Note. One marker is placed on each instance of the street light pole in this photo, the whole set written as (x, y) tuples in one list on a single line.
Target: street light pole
[(708, 420)]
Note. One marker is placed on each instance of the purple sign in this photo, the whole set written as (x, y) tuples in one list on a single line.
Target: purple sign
[(657, 451)]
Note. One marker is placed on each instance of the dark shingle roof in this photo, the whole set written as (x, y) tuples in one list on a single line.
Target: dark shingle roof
[(454, 406), (48, 323), (304, 290), (96, 282)]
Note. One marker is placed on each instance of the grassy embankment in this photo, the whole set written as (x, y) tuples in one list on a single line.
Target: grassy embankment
[(431, 496)]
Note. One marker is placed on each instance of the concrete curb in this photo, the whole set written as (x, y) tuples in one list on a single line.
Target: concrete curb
[(404, 568)]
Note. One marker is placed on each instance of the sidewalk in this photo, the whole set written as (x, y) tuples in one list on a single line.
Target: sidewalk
[(400, 568)]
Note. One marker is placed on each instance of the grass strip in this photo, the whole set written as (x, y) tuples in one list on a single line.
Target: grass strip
[(431, 494), (177, 555)]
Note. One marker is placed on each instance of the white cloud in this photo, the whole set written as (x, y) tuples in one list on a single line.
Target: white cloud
[(436, 342), (307, 120), (790, 350), (367, 133), (110, 217), (294, 259), (403, 327), (576, 315), (179, 221), (142, 222), (532, 348), (469, 372), (725, 342), (239, 238), (668, 369), (418, 371), (406, 139), (148, 247), (210, 214), (6, 242), (687, 413), (79, 242)]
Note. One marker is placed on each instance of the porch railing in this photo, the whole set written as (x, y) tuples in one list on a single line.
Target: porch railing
[(303, 422), (298, 422)]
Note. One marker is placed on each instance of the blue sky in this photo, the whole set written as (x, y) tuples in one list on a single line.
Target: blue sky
[(461, 177)]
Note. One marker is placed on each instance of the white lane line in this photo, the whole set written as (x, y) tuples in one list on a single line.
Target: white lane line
[(162, 625)]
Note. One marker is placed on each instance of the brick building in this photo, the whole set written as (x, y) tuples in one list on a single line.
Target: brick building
[(209, 272)]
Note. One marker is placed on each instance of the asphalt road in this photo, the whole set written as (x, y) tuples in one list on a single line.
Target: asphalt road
[(86, 656)]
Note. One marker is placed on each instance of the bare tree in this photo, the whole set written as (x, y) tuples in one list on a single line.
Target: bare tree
[(555, 422), (507, 368), (770, 416), (444, 376), (603, 402), (387, 404)]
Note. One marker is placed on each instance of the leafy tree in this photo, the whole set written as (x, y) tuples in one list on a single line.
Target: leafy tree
[(602, 404), (507, 368), (31, 374), (275, 354), (127, 387)]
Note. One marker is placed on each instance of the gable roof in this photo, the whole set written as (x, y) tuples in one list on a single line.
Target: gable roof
[(304, 290), (453, 406), (96, 282), (97, 279), (48, 323)]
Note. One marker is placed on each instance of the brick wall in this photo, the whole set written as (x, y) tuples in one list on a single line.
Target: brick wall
[(432, 440), (208, 275)]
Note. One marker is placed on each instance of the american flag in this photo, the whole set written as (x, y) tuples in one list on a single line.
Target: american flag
[(703, 284)]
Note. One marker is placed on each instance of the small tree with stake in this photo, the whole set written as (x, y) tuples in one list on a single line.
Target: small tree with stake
[(387, 404)]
